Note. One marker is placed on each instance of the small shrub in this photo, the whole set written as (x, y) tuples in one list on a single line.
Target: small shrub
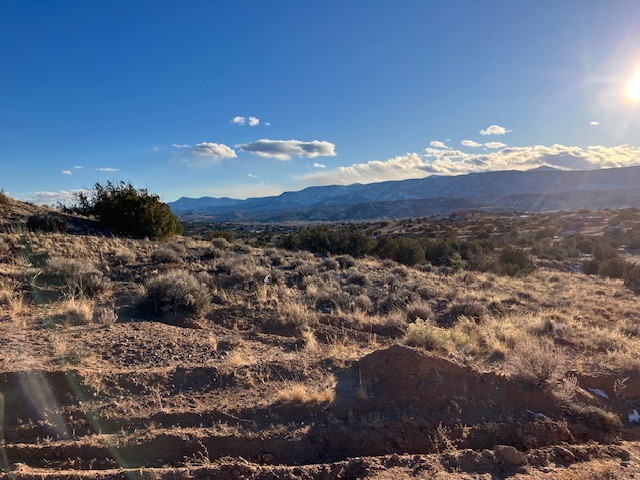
[(6, 296), (472, 309), (331, 264), (536, 362), (514, 262), (357, 279), (456, 262), (632, 277), (123, 256), (176, 292), (211, 253), (165, 255), (298, 392), (590, 267), (47, 222), (425, 334), (105, 316), (221, 243), (4, 198), (419, 311), (76, 277), (613, 267), (346, 261), (363, 303), (78, 312)]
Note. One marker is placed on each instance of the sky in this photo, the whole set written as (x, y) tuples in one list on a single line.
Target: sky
[(251, 98)]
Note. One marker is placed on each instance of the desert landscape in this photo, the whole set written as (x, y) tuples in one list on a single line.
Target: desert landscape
[(194, 358), (319, 240)]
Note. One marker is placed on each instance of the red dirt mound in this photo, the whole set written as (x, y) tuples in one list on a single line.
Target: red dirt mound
[(400, 377)]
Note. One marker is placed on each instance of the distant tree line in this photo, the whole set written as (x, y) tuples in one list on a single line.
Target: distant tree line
[(451, 252)]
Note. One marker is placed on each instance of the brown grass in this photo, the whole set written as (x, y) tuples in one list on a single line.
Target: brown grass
[(299, 392)]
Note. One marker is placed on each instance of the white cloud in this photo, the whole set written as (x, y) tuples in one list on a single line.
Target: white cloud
[(216, 150), (286, 149), (494, 130), (594, 123), (66, 172), (77, 167), (205, 153), (319, 165), (397, 168), (438, 144), (470, 143), (251, 175), (50, 198), (251, 121), (524, 158), (456, 162), (495, 145), (107, 169)]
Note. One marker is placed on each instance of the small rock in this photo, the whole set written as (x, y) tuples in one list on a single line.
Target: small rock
[(511, 455), (566, 455), (267, 458)]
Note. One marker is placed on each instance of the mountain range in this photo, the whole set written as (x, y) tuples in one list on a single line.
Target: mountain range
[(540, 189)]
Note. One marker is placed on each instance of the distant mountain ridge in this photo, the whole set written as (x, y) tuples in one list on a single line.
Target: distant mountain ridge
[(540, 189)]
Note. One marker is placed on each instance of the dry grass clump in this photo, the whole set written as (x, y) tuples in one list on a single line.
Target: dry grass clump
[(105, 316), (76, 277), (471, 309), (220, 243), (6, 296), (346, 261), (176, 292), (240, 273), (299, 392), (419, 310), (426, 335), (165, 255), (536, 362), (77, 312), (309, 340), (19, 310), (357, 278), (331, 264), (123, 256)]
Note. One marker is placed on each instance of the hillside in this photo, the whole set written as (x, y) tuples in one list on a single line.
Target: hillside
[(534, 190), (124, 358)]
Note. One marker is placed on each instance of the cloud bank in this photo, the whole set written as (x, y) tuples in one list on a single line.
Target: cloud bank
[(286, 149), (456, 162)]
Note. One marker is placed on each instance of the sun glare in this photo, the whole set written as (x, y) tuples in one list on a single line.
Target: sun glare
[(632, 92)]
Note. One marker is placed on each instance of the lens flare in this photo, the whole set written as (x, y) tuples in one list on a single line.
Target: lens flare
[(632, 92)]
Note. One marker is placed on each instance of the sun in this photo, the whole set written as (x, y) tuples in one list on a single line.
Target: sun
[(632, 92)]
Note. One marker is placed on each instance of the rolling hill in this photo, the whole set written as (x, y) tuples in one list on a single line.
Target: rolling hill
[(540, 189)]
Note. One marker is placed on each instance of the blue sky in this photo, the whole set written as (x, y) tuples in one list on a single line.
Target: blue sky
[(338, 92)]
